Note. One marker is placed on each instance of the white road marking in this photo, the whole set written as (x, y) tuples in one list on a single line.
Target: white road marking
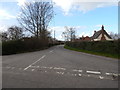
[(59, 68), (77, 70), (108, 73), (80, 75), (47, 67), (88, 75), (32, 69), (50, 67), (45, 71), (101, 77), (112, 74), (93, 72), (35, 66), (34, 62), (51, 51), (60, 73)]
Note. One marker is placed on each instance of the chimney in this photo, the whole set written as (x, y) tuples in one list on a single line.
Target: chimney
[(102, 27), (95, 31), (103, 37)]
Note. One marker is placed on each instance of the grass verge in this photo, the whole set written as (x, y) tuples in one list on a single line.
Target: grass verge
[(91, 52)]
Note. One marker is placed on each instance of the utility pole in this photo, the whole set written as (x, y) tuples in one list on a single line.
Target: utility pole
[(54, 35)]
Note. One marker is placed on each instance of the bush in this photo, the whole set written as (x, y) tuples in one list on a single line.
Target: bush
[(19, 46), (107, 47)]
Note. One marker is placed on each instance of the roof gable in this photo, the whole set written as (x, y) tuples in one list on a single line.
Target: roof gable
[(96, 34)]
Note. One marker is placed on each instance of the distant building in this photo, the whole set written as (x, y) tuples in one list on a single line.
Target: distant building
[(101, 35), (97, 36), (87, 38)]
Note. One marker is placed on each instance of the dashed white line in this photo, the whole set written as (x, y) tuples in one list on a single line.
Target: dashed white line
[(51, 51), (59, 68), (112, 74), (77, 70), (34, 62), (79, 75), (32, 69), (93, 72)]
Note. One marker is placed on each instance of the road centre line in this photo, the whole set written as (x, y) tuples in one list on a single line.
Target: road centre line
[(35, 62)]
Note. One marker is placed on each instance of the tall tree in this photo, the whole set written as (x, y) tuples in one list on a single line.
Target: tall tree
[(35, 17), (15, 32)]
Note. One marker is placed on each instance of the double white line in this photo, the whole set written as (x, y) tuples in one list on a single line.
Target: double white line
[(35, 62)]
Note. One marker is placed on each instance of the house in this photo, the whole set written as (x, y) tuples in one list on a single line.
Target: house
[(100, 35), (87, 38)]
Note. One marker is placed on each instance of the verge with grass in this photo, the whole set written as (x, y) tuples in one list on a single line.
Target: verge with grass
[(92, 52)]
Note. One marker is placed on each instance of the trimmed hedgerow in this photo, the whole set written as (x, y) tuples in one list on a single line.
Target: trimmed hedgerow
[(20, 46), (105, 47)]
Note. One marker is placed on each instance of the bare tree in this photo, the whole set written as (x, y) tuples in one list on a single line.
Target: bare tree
[(35, 17), (4, 36), (69, 34), (15, 32), (115, 36)]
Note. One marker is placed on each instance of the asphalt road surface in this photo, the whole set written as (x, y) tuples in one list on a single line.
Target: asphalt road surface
[(57, 67)]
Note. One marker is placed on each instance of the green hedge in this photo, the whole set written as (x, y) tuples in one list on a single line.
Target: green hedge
[(105, 47), (19, 46)]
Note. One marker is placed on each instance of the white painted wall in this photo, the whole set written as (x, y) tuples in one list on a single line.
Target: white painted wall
[(107, 38), (99, 38)]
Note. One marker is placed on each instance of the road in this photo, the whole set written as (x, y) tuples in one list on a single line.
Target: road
[(57, 67)]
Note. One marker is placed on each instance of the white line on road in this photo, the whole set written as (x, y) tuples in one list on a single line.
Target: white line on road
[(32, 69), (77, 70), (112, 74), (51, 51), (93, 72), (34, 62)]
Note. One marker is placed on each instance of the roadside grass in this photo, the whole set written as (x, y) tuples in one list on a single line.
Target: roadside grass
[(91, 52)]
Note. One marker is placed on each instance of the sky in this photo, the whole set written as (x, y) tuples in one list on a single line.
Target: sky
[(84, 15)]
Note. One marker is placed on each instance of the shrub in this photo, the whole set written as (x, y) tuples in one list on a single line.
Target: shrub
[(18, 46), (108, 47)]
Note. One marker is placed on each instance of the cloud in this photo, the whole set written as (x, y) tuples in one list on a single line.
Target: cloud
[(5, 15), (3, 28), (21, 2), (64, 4), (80, 5), (83, 6)]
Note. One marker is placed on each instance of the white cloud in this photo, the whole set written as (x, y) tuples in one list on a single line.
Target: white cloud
[(5, 15), (21, 2), (3, 28), (83, 6), (64, 4)]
